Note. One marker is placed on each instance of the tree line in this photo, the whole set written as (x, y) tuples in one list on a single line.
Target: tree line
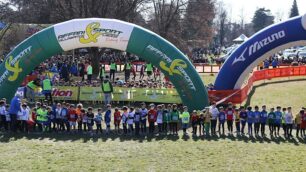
[(185, 23)]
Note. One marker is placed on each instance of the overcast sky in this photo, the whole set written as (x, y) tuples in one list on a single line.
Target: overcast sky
[(279, 8)]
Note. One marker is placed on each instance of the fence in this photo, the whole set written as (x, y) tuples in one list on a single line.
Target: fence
[(240, 95)]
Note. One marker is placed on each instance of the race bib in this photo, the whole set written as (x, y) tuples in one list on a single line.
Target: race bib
[(175, 118)]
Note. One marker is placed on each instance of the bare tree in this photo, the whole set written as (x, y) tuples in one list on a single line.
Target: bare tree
[(197, 22), (222, 24), (166, 19)]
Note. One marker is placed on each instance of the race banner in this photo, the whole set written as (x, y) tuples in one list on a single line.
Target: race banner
[(131, 94), (61, 93)]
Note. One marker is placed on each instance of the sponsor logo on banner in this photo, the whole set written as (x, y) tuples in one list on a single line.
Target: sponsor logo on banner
[(12, 66), (172, 68), (62, 93), (15, 69), (131, 94), (66, 93), (256, 46), (176, 66), (91, 34)]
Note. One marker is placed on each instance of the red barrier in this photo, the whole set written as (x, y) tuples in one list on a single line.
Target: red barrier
[(240, 95)]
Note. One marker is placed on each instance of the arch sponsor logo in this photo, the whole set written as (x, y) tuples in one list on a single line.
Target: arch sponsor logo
[(12, 68), (258, 45), (172, 68), (15, 69), (176, 66), (90, 34)]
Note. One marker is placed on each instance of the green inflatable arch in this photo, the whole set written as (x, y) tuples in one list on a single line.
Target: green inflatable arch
[(107, 33)]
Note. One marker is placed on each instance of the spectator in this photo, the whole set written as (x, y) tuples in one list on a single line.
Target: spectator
[(127, 71), (64, 72), (13, 111), (30, 90), (102, 72), (89, 72), (113, 69), (107, 89), (47, 89)]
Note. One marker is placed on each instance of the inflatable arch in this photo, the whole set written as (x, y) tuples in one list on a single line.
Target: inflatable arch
[(265, 43), (107, 33)]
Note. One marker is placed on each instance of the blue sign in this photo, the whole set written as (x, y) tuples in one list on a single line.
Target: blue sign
[(259, 47), (2, 25)]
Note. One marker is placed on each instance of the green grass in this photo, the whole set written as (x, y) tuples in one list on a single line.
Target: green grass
[(207, 78), (164, 153), (282, 92), (69, 152)]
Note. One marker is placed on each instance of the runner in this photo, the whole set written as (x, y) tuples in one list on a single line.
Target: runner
[(174, 119), (271, 120), (243, 118), (221, 120), (117, 120), (263, 120)]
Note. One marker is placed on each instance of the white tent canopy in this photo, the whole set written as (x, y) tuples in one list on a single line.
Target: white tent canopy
[(241, 38)]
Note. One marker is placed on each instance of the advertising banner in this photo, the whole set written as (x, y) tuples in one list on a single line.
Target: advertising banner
[(131, 94), (81, 33), (259, 47), (61, 93)]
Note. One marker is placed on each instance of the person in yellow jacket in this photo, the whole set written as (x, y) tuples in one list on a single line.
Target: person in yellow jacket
[(89, 72), (185, 117), (30, 90), (107, 89), (102, 72), (47, 89), (127, 70), (42, 117), (149, 69), (112, 71)]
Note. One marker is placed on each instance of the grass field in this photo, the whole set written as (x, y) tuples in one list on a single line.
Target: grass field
[(282, 92), (69, 152), (162, 153)]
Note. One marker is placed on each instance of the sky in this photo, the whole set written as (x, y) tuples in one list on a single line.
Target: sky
[(246, 8), (279, 8)]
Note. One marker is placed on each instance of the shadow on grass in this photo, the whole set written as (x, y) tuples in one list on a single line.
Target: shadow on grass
[(252, 92), (10, 137)]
